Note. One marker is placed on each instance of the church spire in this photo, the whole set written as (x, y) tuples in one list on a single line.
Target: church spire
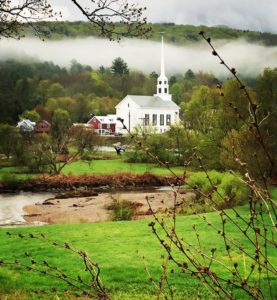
[(162, 58), (162, 82)]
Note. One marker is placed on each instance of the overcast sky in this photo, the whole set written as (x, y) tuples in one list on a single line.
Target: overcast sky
[(260, 15)]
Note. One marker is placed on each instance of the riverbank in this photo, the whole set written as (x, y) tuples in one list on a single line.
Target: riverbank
[(59, 183), (97, 208)]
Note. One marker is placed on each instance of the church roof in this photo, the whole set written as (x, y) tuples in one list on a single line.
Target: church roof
[(153, 102)]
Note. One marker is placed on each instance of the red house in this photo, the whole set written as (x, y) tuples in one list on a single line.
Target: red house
[(104, 125), (42, 127)]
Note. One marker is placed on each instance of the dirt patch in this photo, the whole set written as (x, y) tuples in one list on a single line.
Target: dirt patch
[(95, 209)]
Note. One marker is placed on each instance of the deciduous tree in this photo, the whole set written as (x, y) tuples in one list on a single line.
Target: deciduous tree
[(8, 139)]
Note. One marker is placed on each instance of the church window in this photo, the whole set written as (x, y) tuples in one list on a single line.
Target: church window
[(165, 90), (160, 82), (146, 119), (128, 104), (160, 90), (154, 120), (161, 120), (165, 82), (168, 119)]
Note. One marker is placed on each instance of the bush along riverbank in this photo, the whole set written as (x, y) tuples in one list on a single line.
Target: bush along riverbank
[(58, 183)]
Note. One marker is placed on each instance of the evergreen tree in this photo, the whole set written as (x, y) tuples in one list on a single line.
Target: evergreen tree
[(119, 67)]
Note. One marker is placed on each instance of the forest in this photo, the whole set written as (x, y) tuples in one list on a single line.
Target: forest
[(180, 34), (44, 87), (79, 89)]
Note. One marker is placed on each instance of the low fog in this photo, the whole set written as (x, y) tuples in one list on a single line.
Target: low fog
[(248, 59)]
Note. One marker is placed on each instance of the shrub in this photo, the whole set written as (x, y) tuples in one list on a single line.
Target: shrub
[(122, 211), (158, 145), (231, 190), (215, 176), (88, 156), (137, 155), (200, 180)]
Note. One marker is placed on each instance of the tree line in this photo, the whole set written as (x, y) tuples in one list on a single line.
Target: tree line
[(180, 34)]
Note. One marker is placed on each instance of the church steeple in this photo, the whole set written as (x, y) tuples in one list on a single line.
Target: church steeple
[(162, 82), (162, 58)]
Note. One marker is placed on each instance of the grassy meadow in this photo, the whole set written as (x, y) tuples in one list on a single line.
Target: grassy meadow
[(116, 247), (101, 166), (116, 166)]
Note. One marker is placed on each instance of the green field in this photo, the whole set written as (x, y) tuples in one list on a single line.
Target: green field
[(95, 167), (116, 166), (14, 173), (114, 246)]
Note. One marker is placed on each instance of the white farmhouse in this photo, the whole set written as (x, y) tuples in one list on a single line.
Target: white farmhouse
[(155, 113), (26, 125)]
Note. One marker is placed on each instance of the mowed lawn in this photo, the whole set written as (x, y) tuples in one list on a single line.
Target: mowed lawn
[(116, 247), (116, 166)]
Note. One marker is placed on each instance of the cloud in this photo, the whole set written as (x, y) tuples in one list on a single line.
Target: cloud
[(248, 59), (247, 14)]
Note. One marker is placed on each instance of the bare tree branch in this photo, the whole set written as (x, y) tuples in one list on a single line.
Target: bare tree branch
[(114, 18)]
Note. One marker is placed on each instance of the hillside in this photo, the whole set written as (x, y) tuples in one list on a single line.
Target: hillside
[(180, 34)]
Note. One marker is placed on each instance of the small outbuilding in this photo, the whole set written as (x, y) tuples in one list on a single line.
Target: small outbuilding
[(104, 125), (42, 126)]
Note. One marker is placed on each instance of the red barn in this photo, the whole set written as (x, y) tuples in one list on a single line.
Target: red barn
[(42, 127), (104, 125)]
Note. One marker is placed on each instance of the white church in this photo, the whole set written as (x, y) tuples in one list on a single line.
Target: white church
[(149, 113)]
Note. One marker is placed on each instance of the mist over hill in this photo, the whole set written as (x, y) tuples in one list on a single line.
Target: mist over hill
[(144, 55)]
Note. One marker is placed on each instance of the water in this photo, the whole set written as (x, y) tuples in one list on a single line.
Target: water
[(11, 207)]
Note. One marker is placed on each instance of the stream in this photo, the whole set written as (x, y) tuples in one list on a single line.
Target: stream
[(11, 207)]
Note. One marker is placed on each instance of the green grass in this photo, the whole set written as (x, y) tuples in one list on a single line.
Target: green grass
[(116, 166), (106, 166), (114, 246), (15, 174)]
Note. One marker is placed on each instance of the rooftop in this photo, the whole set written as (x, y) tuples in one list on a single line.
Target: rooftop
[(153, 102)]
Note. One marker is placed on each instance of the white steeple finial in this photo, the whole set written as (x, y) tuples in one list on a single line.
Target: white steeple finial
[(162, 58), (162, 83)]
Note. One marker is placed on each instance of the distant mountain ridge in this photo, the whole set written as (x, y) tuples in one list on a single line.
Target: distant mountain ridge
[(178, 34)]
